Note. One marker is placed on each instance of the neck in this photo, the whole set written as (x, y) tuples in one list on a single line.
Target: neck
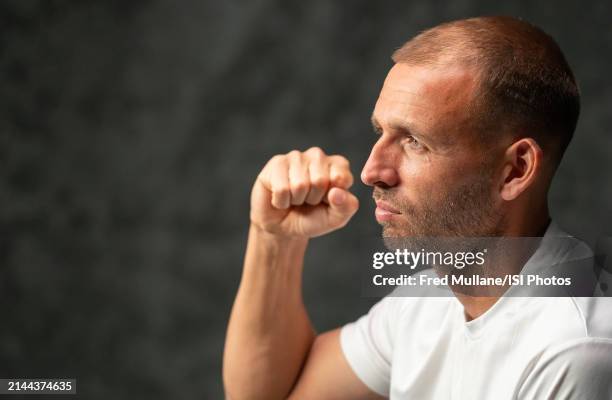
[(474, 307), (532, 224)]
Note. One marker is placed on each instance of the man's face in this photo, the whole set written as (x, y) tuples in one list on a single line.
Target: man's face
[(430, 174)]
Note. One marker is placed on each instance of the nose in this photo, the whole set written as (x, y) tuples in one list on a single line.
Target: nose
[(380, 170)]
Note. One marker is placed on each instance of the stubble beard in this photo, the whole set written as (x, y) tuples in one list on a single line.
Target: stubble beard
[(465, 211)]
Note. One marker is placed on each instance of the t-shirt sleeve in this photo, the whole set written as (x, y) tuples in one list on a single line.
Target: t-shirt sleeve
[(367, 345), (579, 369)]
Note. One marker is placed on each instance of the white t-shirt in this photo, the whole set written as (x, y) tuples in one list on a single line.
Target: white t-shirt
[(521, 348)]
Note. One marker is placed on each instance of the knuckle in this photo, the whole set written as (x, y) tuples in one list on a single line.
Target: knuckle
[(340, 179), (277, 159), (294, 154), (300, 186), (319, 182), (281, 191), (341, 161), (316, 152)]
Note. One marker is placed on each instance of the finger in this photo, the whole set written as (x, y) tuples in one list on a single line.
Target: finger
[(318, 169), (279, 183), (299, 179), (342, 206), (340, 172)]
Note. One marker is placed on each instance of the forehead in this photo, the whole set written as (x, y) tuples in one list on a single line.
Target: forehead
[(434, 99)]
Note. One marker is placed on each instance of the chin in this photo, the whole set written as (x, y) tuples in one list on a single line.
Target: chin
[(390, 231)]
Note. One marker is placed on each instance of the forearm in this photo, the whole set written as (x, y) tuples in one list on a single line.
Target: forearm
[(269, 333)]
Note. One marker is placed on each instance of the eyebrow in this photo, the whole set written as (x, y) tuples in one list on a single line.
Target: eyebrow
[(405, 127)]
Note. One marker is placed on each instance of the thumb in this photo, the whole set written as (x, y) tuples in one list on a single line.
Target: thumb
[(342, 206)]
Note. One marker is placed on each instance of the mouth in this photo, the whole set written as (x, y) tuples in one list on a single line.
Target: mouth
[(385, 211)]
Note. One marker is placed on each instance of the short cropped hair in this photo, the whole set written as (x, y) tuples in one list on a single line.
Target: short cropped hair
[(525, 85)]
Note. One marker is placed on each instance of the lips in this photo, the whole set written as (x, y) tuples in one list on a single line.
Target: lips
[(385, 211), (386, 207)]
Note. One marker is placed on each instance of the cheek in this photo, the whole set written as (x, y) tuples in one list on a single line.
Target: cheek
[(414, 166), (426, 180), (419, 179)]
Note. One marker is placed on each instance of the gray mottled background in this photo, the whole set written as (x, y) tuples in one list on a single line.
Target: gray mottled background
[(130, 134)]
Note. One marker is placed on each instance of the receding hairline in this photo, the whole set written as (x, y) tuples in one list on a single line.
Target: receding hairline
[(468, 41), (521, 72)]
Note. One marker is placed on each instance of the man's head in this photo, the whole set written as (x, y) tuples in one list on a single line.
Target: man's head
[(473, 120)]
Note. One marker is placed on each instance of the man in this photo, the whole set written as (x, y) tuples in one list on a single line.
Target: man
[(473, 120)]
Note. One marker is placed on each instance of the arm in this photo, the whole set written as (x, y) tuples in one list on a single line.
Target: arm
[(269, 333), (271, 350), (327, 374)]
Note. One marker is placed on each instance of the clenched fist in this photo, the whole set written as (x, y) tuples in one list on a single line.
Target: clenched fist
[(303, 194)]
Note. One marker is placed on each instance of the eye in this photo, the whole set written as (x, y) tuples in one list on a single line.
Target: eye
[(414, 144)]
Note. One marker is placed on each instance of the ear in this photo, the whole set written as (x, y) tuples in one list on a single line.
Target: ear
[(522, 166)]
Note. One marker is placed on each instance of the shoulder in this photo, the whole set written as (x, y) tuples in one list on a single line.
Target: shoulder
[(575, 369)]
